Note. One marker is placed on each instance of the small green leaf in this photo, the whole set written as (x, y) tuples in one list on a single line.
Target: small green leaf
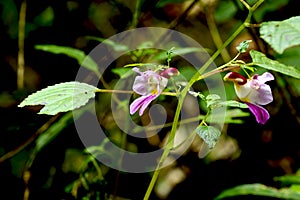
[(83, 59), (233, 103), (178, 51), (61, 97), (260, 190), (212, 100), (261, 60), (123, 72), (288, 179), (209, 134), (243, 46), (281, 34), (111, 43)]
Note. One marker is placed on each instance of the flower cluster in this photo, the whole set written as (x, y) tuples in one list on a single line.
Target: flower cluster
[(149, 85), (254, 92)]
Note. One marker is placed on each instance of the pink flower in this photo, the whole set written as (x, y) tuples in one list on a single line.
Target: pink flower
[(254, 92), (149, 84)]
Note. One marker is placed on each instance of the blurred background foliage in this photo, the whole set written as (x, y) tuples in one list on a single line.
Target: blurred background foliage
[(42, 157)]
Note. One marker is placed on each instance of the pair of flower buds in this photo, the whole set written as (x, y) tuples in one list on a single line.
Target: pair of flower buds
[(253, 91)]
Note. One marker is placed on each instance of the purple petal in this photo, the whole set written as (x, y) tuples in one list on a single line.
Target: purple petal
[(265, 77), (261, 96), (141, 103), (140, 85), (260, 113)]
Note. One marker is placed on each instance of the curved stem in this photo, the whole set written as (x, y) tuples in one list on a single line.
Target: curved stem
[(195, 78)]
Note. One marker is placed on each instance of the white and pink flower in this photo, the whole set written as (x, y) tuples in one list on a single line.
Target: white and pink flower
[(254, 92)]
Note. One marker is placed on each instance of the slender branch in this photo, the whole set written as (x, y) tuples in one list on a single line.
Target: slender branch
[(136, 14), (214, 32), (21, 38), (30, 140), (195, 78)]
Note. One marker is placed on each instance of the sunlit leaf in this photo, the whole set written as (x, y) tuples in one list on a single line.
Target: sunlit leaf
[(83, 59), (61, 97), (259, 190), (209, 134), (261, 60), (281, 34), (243, 46)]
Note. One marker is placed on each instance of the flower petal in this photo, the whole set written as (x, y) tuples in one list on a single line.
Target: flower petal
[(265, 77), (261, 96), (141, 103), (146, 102), (140, 85), (260, 113)]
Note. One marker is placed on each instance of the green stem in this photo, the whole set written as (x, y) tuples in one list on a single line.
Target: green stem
[(195, 78)]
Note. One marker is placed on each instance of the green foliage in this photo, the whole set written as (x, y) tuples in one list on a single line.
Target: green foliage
[(209, 134), (114, 45), (50, 134), (288, 179), (243, 46), (281, 34), (83, 59), (177, 52), (162, 3), (262, 60), (61, 97), (214, 101), (260, 190)]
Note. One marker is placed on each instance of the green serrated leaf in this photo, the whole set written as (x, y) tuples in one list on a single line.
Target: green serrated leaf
[(260, 190), (261, 60), (281, 34), (83, 59), (61, 97), (209, 134), (243, 46)]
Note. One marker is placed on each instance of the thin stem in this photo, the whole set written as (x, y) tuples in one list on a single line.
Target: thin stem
[(21, 38), (214, 32), (195, 78), (136, 14), (130, 92)]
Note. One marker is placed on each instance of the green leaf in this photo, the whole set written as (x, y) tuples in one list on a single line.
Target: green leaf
[(61, 97), (243, 46), (260, 190), (177, 51), (281, 34), (233, 103), (209, 134), (288, 179), (83, 59), (53, 131), (111, 43), (212, 100), (123, 72), (162, 3), (261, 60)]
